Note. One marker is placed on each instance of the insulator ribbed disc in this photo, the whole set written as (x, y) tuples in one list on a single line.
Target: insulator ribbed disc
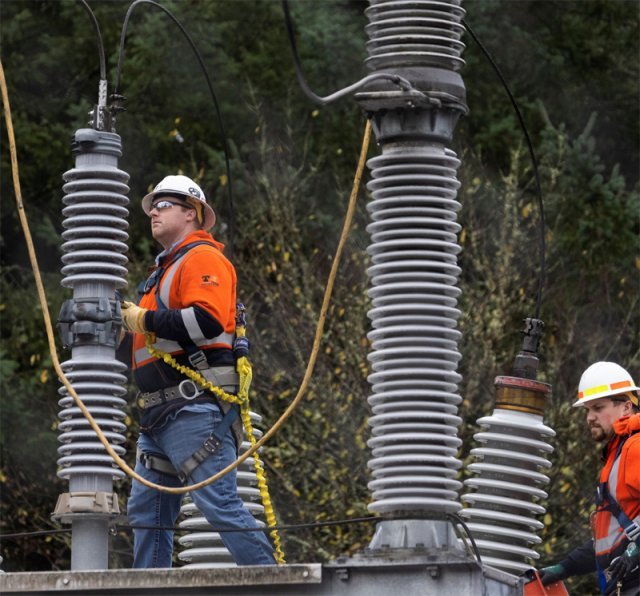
[(100, 385), (95, 222), (506, 484), (415, 32)]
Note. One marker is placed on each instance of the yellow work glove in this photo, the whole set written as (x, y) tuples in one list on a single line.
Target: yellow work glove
[(133, 317)]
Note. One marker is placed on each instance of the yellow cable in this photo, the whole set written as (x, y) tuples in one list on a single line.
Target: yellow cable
[(49, 328)]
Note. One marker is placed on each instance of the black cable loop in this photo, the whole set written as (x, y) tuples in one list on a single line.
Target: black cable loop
[(457, 519), (542, 274), (232, 219), (403, 83)]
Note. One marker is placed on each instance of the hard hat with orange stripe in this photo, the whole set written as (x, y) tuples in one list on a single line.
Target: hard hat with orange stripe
[(606, 379)]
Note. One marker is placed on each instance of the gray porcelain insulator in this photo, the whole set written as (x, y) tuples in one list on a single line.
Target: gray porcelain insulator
[(94, 266), (414, 33), (414, 353), (507, 486)]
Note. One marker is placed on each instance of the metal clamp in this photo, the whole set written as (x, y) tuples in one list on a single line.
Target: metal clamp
[(89, 321), (86, 502)]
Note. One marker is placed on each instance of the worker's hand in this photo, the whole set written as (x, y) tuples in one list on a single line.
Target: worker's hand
[(133, 317), (624, 564), (554, 573)]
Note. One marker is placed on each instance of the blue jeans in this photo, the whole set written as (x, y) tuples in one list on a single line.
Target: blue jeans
[(219, 502)]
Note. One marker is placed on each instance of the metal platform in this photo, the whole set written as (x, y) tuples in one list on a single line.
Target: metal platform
[(359, 576)]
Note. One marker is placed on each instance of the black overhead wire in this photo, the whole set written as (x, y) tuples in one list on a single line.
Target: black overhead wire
[(189, 39), (542, 273), (118, 527), (103, 64)]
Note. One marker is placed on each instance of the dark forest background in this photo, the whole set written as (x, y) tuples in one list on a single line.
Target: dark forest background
[(573, 68)]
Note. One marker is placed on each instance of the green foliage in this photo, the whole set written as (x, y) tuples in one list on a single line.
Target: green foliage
[(573, 67)]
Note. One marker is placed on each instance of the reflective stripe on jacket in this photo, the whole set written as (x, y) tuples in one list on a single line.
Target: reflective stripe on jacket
[(622, 475), (201, 277)]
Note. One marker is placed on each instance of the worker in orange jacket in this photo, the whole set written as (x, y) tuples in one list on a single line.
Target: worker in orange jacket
[(609, 397), (188, 307)]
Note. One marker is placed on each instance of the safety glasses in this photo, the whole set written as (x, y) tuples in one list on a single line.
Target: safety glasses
[(163, 204)]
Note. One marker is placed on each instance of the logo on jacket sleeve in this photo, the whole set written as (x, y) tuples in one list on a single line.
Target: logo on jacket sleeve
[(210, 280)]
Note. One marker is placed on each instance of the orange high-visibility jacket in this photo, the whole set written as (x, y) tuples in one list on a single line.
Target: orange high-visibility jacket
[(200, 282), (622, 475)]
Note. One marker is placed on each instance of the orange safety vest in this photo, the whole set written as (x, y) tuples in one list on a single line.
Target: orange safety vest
[(620, 478), (203, 276)]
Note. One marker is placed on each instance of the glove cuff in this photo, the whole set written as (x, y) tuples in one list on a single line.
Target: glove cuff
[(148, 321)]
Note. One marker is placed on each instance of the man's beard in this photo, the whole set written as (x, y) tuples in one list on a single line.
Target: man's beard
[(597, 433)]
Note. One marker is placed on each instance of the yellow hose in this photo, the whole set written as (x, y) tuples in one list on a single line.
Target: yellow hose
[(49, 328)]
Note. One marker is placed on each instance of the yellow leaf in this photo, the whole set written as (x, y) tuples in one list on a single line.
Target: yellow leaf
[(223, 179), (315, 113), (547, 519), (44, 376)]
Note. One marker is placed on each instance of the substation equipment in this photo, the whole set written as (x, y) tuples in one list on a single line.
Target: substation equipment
[(95, 246), (414, 352)]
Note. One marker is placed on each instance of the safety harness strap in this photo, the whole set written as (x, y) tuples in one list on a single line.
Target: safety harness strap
[(161, 464), (209, 447), (195, 354), (603, 495), (154, 279), (156, 462)]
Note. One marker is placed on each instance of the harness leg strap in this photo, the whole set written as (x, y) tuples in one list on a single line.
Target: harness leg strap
[(156, 463), (209, 447)]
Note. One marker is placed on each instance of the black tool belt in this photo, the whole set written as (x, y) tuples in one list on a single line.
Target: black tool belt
[(224, 377)]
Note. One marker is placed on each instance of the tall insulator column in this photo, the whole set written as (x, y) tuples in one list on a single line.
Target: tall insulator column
[(505, 492), (414, 273), (94, 267), (203, 548)]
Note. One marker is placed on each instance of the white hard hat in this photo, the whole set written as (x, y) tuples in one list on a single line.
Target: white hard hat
[(604, 379), (181, 186)]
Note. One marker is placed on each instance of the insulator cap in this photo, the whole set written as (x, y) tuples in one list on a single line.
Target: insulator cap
[(522, 395)]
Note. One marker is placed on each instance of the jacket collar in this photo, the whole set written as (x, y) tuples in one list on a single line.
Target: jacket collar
[(195, 236)]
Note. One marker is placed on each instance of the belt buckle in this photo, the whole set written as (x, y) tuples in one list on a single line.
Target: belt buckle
[(189, 383)]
